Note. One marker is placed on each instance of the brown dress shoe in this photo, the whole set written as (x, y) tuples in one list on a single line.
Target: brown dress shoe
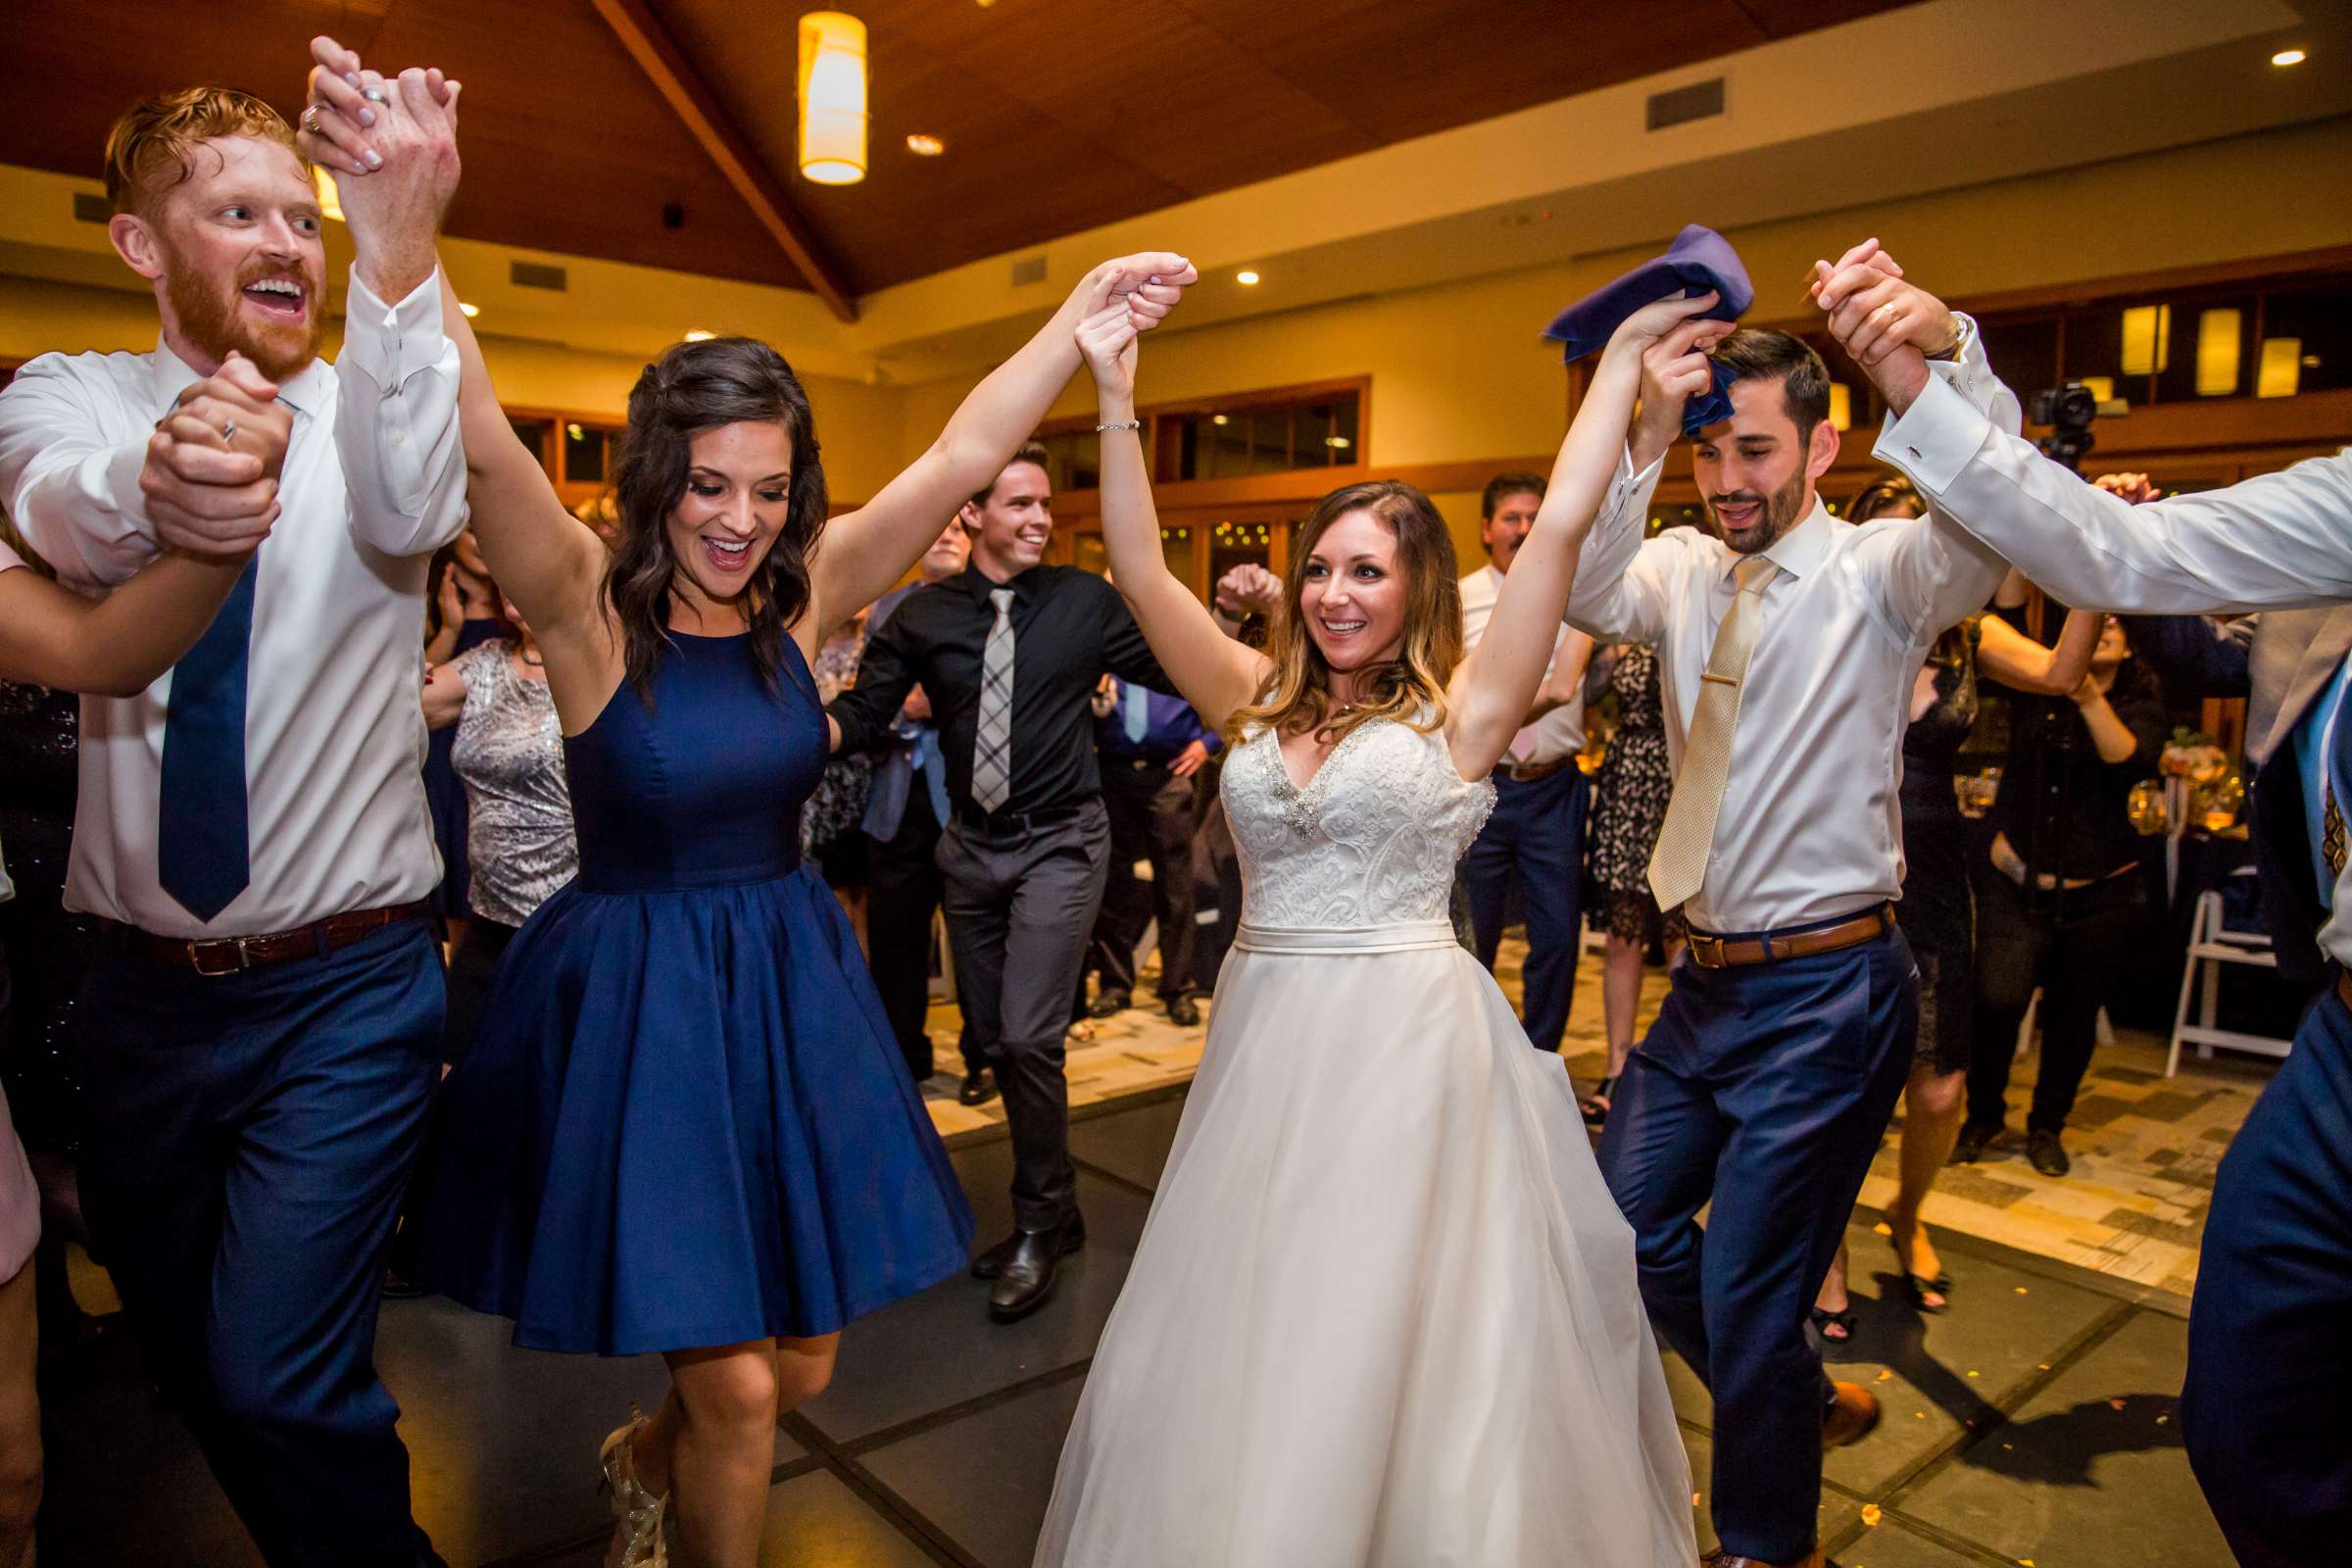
[(1851, 1414), (1720, 1558)]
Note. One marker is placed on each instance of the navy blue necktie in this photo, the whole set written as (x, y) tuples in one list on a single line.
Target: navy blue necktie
[(203, 849)]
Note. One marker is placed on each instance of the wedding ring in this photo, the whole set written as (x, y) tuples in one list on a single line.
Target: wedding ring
[(228, 430), (310, 119), (373, 95)]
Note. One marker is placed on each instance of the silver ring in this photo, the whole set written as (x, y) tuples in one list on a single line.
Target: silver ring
[(228, 429), (373, 95)]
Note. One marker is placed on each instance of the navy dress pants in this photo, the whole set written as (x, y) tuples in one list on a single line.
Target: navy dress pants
[(2269, 1331), (1534, 837), (251, 1138), (1763, 1089)]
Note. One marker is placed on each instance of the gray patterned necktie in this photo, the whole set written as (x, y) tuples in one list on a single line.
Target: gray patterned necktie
[(992, 743)]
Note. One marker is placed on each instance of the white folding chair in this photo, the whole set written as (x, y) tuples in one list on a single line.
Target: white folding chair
[(2212, 944)]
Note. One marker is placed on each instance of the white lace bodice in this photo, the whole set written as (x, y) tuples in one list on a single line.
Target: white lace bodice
[(1372, 840)]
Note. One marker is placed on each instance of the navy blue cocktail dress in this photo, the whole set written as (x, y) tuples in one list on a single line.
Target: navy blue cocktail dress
[(685, 1121)]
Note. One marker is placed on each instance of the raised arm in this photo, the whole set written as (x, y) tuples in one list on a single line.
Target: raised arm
[(1496, 684), (544, 557), (2280, 540), (1209, 671), (866, 551), (2018, 661), (117, 645)]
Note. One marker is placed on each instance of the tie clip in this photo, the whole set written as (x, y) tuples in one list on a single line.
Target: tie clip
[(1720, 680)]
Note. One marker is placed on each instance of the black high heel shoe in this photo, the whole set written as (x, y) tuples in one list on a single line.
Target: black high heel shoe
[(1596, 1106)]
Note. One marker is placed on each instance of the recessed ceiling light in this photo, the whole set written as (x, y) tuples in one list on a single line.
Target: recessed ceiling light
[(1220, 418), (470, 310), (698, 335), (2287, 57), (923, 146), (1338, 441), (1246, 277)]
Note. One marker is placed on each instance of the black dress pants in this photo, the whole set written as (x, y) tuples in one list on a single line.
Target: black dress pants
[(1150, 819), (902, 895), (2070, 945), (1020, 903)]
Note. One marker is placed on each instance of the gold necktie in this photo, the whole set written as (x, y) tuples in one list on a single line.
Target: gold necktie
[(2331, 831), (1679, 864)]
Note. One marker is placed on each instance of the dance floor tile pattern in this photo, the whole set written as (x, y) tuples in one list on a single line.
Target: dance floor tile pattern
[(2034, 1422)]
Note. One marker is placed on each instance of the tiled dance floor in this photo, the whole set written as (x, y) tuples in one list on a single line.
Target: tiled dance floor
[(2034, 1423)]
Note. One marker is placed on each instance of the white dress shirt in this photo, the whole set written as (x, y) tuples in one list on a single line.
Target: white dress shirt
[(374, 481), (10, 561), (1811, 824), (2275, 541), (1559, 734)]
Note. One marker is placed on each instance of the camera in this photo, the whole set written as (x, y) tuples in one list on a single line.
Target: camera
[(2068, 410)]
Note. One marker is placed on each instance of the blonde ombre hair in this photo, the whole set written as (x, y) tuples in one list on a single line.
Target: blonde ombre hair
[(1411, 688)]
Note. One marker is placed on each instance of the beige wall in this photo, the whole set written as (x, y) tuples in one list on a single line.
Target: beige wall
[(858, 425), (1457, 370)]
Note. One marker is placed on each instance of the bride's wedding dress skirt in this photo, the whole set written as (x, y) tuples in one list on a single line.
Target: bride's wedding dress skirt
[(1385, 1311)]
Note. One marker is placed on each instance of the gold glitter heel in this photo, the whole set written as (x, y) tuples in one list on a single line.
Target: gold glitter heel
[(637, 1537)]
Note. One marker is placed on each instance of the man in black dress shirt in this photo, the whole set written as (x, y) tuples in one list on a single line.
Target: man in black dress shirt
[(1010, 653)]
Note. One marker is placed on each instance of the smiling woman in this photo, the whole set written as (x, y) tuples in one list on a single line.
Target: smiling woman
[(683, 1042)]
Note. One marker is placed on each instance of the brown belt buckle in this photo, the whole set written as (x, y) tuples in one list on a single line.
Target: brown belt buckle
[(233, 946), (1706, 951)]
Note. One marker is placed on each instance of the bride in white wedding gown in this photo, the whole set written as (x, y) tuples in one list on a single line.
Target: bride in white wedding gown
[(1384, 1311)]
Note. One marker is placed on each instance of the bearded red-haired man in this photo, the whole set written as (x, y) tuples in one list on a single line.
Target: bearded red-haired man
[(262, 1025)]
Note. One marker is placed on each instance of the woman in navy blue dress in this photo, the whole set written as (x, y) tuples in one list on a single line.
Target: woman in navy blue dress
[(684, 1126)]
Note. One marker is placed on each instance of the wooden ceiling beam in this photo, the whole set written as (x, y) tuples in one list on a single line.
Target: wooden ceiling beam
[(673, 76)]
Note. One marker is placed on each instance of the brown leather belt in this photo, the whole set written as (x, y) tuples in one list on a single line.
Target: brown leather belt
[(215, 957), (1531, 772), (1713, 952)]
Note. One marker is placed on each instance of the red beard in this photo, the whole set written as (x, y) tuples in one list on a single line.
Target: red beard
[(212, 323)]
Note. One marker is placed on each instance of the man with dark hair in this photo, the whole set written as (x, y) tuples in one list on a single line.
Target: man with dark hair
[(1535, 837), (263, 1023), (1010, 653), (1788, 644)]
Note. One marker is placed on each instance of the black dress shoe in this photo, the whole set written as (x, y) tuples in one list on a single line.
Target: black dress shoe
[(2045, 1154), (979, 1087), (990, 1264), (1110, 1003), (1969, 1147), (1025, 1282), (399, 1288), (1184, 1012)]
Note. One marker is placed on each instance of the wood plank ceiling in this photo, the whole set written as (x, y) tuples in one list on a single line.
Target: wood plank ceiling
[(1058, 115)]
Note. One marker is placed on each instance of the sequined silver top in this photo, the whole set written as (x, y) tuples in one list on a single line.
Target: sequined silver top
[(510, 751)]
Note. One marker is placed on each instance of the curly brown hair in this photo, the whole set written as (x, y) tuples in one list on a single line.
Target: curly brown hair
[(692, 388)]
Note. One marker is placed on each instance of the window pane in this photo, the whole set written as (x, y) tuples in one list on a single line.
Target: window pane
[(583, 453), (1270, 441), (532, 433), (1183, 446), (2094, 350), (1342, 442), (1236, 543), (2211, 353), (2307, 341), (2024, 354), (1227, 446), (1073, 459)]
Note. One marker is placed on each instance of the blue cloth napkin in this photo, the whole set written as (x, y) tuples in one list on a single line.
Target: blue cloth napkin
[(1698, 261)]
